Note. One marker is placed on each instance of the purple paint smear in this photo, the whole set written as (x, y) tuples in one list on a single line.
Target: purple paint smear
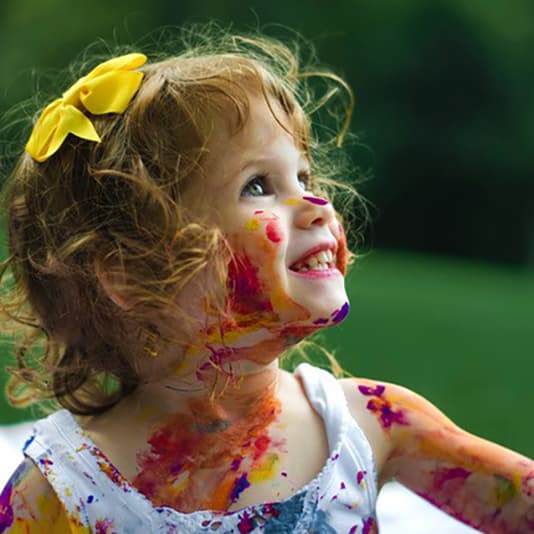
[(388, 416), (321, 321), (240, 485), (316, 200), (368, 524), (6, 510), (342, 313), (441, 476), (372, 391), (236, 462)]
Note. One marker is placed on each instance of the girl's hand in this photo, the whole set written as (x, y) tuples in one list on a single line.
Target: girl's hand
[(28, 504), (480, 483)]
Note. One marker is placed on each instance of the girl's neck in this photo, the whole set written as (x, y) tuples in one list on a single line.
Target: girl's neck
[(235, 392), (228, 371)]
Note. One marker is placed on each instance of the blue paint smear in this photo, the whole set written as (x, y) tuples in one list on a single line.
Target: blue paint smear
[(342, 313), (240, 485)]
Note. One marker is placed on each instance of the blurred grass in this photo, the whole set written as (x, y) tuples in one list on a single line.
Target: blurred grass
[(459, 333)]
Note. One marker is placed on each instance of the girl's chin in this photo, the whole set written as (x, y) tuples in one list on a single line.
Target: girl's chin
[(330, 311)]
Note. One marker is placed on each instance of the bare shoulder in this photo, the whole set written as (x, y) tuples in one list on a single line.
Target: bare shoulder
[(357, 404), (393, 417), (29, 504)]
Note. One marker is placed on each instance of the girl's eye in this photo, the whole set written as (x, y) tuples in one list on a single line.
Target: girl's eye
[(256, 187), (304, 180)]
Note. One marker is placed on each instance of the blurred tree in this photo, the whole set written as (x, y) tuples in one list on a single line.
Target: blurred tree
[(443, 92)]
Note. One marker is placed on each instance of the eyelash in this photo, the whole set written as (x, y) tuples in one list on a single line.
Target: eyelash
[(303, 177)]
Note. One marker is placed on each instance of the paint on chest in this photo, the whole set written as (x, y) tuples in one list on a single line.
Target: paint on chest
[(197, 461)]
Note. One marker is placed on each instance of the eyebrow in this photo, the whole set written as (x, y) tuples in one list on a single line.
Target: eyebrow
[(266, 160)]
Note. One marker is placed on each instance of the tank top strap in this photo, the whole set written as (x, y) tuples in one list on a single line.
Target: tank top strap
[(81, 476), (343, 432), (327, 397)]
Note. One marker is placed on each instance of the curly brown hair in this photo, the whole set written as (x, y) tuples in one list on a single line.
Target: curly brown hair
[(116, 206)]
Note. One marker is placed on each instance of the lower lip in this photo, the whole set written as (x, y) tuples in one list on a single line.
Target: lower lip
[(327, 273)]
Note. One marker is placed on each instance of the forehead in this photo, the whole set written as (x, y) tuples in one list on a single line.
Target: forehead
[(266, 132)]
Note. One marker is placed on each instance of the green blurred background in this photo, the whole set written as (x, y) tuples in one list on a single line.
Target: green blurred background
[(443, 300)]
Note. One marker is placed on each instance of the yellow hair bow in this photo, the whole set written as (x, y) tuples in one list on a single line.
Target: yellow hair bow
[(108, 88)]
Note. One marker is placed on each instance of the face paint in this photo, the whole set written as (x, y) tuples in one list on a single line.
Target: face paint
[(316, 200), (273, 232), (292, 201), (246, 291), (339, 315), (252, 224)]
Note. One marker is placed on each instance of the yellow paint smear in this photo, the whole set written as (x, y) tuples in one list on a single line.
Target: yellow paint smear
[(252, 224), (264, 470), (292, 201)]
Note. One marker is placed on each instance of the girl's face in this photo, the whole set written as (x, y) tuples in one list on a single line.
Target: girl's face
[(290, 251)]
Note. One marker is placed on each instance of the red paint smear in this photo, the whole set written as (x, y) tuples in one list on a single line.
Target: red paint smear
[(246, 293), (261, 445), (342, 256), (456, 474), (387, 415), (103, 526), (210, 452), (246, 523), (273, 232)]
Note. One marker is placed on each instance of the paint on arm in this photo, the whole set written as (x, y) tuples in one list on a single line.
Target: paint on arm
[(480, 483), (28, 504)]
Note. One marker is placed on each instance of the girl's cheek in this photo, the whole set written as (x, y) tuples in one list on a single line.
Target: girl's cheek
[(273, 232), (263, 227)]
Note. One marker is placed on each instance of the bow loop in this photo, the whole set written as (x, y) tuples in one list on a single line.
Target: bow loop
[(108, 88)]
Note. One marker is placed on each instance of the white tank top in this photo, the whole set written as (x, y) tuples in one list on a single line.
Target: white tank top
[(340, 499)]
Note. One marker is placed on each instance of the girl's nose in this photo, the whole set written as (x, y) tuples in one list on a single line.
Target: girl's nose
[(313, 211)]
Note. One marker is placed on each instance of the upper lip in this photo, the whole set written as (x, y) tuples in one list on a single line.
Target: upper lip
[(330, 245)]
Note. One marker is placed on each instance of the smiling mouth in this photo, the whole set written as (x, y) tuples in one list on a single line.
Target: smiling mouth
[(323, 260)]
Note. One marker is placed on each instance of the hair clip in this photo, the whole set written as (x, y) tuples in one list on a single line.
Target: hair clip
[(108, 88)]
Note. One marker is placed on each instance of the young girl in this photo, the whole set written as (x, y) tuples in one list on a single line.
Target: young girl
[(170, 238)]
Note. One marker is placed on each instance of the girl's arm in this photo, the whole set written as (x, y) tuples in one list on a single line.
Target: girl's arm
[(29, 505), (476, 481)]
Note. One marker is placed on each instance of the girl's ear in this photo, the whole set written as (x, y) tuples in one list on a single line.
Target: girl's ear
[(111, 283)]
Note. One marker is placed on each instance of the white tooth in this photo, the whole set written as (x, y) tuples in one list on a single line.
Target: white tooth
[(330, 255), (303, 269), (322, 256), (312, 262)]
